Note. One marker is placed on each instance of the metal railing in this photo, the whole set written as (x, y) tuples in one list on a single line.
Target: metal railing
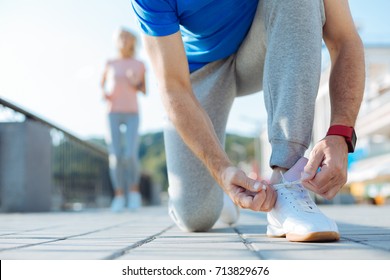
[(79, 168)]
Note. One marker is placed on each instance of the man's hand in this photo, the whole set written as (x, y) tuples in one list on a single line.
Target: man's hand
[(246, 192), (331, 156)]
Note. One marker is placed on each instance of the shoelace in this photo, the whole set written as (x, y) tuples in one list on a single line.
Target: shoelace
[(300, 195)]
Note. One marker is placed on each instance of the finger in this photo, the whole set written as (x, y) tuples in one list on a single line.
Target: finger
[(328, 191), (331, 193), (310, 185), (330, 176), (258, 201), (247, 183), (322, 178), (264, 200), (270, 200), (270, 197), (327, 187), (244, 200), (314, 162), (252, 175)]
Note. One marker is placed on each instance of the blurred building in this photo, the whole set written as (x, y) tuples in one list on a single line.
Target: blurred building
[(369, 166)]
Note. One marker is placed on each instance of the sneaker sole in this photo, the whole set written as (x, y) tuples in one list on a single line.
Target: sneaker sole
[(314, 236), (322, 236)]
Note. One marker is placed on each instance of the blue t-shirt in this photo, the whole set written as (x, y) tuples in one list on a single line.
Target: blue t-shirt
[(211, 29)]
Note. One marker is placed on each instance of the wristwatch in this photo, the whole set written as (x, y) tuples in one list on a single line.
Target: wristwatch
[(348, 132)]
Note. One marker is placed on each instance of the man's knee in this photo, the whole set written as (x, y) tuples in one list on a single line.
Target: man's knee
[(196, 222), (195, 218)]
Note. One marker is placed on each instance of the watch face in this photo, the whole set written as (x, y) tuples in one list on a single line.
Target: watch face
[(353, 140)]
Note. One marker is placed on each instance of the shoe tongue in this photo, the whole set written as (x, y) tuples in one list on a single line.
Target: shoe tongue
[(294, 173)]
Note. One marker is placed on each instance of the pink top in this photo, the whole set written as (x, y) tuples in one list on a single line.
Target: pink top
[(125, 75)]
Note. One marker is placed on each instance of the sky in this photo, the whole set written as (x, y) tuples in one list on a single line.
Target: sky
[(52, 53)]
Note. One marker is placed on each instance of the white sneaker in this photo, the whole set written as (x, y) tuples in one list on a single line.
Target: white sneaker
[(134, 200), (230, 212), (118, 204), (295, 215)]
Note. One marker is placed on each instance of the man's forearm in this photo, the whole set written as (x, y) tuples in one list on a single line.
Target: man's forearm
[(169, 61), (346, 83), (194, 126)]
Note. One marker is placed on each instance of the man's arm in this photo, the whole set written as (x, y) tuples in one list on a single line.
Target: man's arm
[(346, 87), (193, 124), (346, 50)]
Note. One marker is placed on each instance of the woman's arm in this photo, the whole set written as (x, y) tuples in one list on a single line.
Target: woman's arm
[(103, 82), (142, 86), (136, 78)]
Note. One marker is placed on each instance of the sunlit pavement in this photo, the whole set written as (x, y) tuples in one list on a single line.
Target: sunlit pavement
[(150, 234)]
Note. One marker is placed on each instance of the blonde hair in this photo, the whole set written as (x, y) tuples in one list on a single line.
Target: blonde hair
[(125, 42)]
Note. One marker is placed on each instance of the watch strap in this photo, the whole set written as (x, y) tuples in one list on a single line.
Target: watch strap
[(348, 132)]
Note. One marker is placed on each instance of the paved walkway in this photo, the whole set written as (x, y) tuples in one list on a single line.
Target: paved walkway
[(150, 234)]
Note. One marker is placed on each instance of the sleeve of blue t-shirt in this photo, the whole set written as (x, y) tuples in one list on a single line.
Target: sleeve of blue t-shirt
[(156, 17)]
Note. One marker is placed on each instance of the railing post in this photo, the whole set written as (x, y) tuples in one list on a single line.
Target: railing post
[(25, 167)]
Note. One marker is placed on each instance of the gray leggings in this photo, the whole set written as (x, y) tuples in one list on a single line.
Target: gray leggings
[(281, 55), (123, 149)]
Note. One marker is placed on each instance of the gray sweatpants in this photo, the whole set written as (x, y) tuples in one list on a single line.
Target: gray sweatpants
[(281, 55), (123, 150)]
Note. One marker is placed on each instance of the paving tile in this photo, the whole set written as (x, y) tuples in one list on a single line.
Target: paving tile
[(6, 244), (100, 234), (380, 244), (191, 251), (342, 250), (54, 255)]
